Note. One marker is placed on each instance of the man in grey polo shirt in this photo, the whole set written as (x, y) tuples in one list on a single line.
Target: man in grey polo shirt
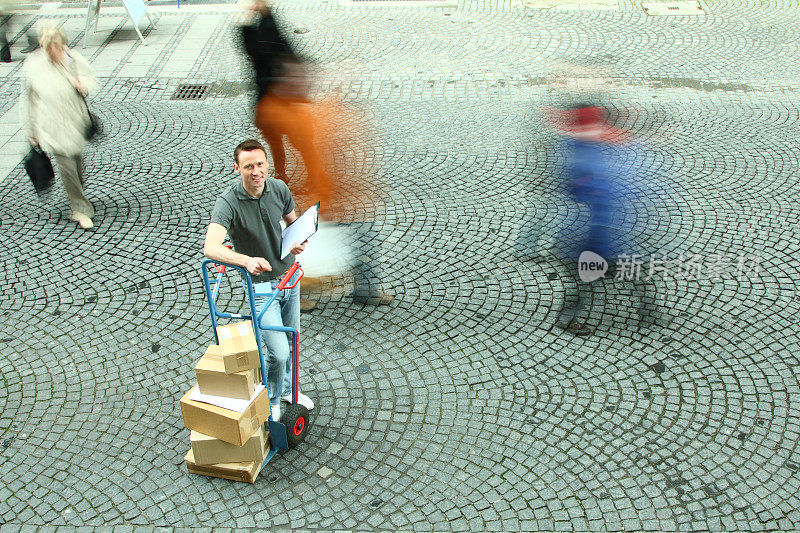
[(250, 212)]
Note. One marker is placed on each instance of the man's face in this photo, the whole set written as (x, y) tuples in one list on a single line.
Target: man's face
[(252, 166)]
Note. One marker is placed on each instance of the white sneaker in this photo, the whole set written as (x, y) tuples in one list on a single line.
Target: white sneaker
[(302, 399), (276, 411)]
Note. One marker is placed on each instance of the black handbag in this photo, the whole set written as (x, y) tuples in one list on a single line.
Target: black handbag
[(40, 170), (94, 129)]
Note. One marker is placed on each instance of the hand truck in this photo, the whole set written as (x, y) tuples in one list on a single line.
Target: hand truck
[(293, 426)]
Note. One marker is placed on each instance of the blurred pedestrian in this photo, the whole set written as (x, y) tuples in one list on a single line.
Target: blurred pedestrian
[(315, 129), (356, 195), (587, 150), (32, 36), (7, 8), (55, 115), (283, 107)]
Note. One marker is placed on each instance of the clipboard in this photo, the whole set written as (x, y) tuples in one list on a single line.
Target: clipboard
[(300, 230)]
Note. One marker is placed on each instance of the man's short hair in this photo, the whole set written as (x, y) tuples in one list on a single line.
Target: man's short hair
[(247, 146)]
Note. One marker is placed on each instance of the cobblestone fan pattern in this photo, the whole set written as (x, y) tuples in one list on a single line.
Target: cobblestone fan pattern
[(459, 406)]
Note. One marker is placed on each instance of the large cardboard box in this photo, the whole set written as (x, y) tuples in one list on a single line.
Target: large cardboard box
[(247, 472), (237, 347), (212, 379), (225, 424), (208, 450)]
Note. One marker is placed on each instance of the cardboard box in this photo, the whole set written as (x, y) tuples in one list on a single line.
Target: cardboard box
[(208, 450), (224, 424), (247, 472), (212, 379), (215, 352), (237, 347)]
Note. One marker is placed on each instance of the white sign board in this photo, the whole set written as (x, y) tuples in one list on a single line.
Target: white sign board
[(136, 9)]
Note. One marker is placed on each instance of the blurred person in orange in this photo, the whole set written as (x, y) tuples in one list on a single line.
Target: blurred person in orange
[(354, 193), (282, 107), (324, 133)]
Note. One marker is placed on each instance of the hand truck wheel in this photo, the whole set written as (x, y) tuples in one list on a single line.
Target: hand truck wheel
[(297, 422)]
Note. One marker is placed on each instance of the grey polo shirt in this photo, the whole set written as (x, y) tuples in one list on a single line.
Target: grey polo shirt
[(254, 224)]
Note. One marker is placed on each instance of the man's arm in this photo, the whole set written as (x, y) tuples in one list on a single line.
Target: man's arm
[(216, 251)]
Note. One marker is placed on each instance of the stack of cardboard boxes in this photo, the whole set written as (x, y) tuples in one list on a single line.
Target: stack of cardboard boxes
[(227, 408)]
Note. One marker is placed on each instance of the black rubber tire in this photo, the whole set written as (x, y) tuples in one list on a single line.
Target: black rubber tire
[(297, 421)]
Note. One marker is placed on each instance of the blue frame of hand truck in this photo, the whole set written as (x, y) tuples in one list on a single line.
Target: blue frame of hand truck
[(277, 429)]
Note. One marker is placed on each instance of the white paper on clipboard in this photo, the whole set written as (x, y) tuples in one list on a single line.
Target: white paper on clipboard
[(300, 230)]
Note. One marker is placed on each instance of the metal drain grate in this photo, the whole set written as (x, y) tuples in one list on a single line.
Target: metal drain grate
[(692, 7), (189, 91)]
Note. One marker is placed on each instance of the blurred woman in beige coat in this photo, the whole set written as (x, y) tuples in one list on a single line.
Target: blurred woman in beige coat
[(55, 114)]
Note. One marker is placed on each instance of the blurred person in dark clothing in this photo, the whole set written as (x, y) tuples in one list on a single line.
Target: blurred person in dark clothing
[(282, 105), (7, 7), (315, 129), (7, 10)]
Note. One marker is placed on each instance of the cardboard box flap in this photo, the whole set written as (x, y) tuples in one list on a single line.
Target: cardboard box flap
[(214, 379), (235, 333), (210, 364), (213, 351)]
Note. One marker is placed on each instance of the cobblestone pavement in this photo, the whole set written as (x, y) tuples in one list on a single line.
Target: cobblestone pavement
[(459, 406)]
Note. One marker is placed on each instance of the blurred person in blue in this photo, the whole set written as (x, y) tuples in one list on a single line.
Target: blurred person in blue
[(597, 179)]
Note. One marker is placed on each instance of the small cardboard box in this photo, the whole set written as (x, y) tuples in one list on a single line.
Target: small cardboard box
[(208, 450), (237, 347), (215, 352), (225, 424), (247, 472), (212, 379)]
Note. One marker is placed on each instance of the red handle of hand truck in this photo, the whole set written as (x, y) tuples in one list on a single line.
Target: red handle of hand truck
[(289, 273), (221, 268)]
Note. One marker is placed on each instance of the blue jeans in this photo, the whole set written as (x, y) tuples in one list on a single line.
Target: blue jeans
[(284, 311)]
